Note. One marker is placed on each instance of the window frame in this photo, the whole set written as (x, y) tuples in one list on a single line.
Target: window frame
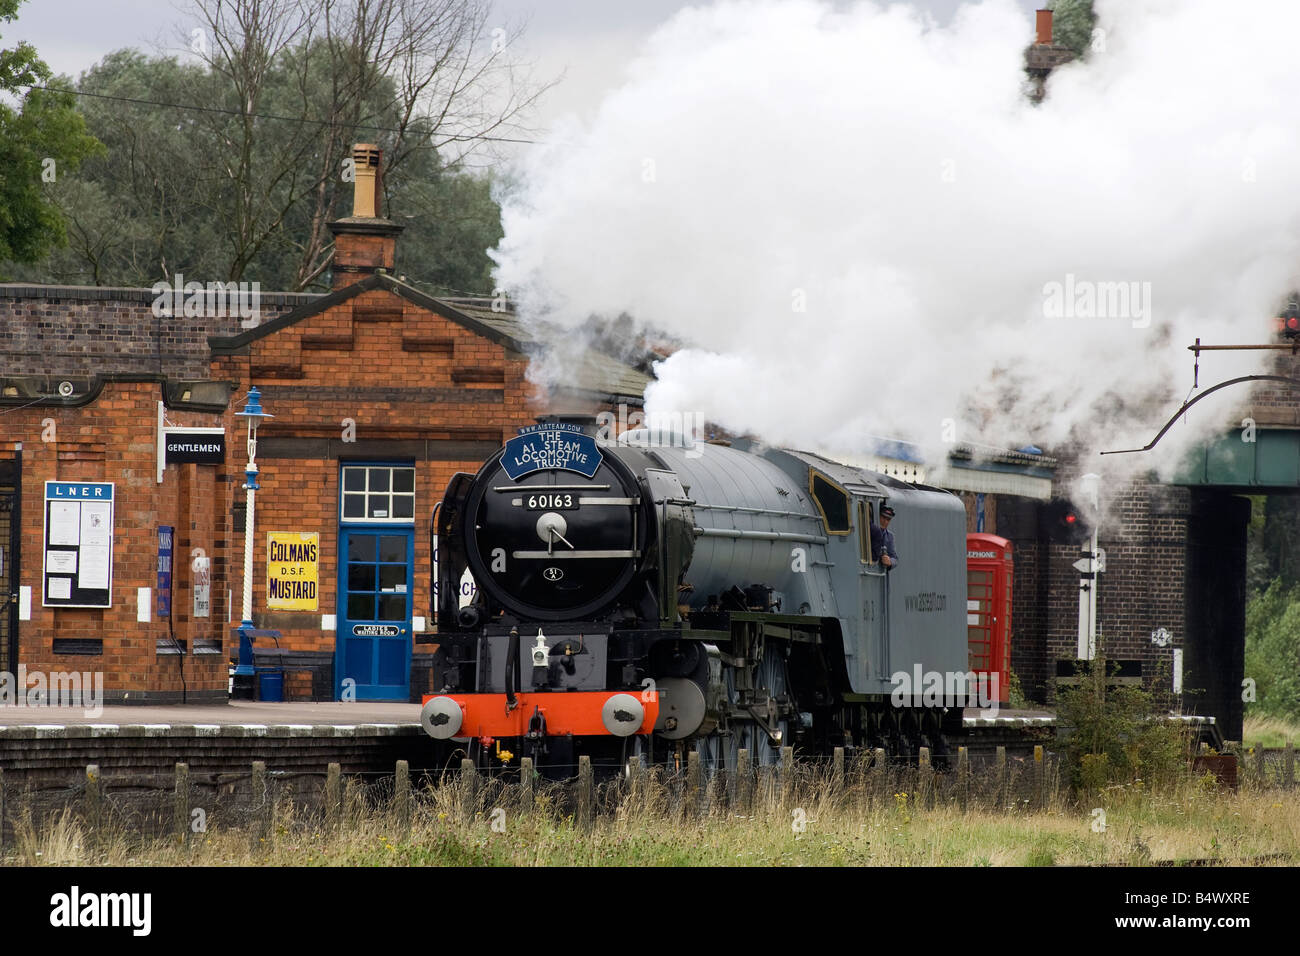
[(866, 518), (813, 475), (367, 495)]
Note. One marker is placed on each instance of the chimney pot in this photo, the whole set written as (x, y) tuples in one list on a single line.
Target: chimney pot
[(1044, 25), (366, 159)]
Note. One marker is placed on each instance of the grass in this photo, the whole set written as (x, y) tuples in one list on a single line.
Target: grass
[(1269, 732), (1189, 822)]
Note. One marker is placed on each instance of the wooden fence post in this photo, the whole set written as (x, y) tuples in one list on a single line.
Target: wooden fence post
[(880, 777), (181, 805), (1000, 767), (787, 777), (963, 778), (837, 771), (94, 802), (261, 804), (634, 784), (468, 789), (765, 790), (333, 796), (586, 793), (744, 782), (1288, 765), (1039, 776), (925, 778), (526, 785), (694, 781), (402, 796)]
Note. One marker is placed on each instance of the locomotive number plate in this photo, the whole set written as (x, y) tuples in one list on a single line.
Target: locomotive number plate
[(552, 501)]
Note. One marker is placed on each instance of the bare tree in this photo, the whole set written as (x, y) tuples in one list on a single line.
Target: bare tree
[(418, 74)]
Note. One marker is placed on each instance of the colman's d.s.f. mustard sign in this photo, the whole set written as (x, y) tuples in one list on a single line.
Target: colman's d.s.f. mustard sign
[(292, 570)]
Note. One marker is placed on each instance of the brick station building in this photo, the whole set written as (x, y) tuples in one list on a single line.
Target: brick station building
[(379, 394)]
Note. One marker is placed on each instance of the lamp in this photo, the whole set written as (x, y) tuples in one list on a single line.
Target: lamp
[(255, 414)]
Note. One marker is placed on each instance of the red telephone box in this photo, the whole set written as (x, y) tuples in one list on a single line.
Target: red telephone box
[(988, 611)]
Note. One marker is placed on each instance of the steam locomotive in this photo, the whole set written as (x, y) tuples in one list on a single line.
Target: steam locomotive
[(644, 596)]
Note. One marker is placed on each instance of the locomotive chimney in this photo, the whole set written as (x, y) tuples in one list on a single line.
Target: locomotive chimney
[(365, 242), (1044, 23)]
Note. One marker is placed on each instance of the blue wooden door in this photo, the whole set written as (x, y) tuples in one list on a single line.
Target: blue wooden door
[(374, 613)]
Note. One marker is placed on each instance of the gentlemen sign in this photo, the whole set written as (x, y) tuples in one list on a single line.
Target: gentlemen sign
[(188, 444), (553, 445), (292, 570), (199, 447)]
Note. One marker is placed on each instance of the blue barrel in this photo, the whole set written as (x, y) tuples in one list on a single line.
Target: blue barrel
[(270, 686)]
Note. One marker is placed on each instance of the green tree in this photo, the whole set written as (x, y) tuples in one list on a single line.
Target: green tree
[(451, 221), (245, 186), (1273, 650), (156, 202), (1072, 24), (41, 140)]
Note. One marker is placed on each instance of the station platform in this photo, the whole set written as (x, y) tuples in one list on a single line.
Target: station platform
[(46, 747), (233, 713)]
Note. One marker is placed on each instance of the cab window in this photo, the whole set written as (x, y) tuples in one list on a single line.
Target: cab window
[(832, 501), (866, 518)]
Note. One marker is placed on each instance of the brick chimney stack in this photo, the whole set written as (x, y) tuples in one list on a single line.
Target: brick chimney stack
[(1044, 24), (364, 242), (1043, 55)]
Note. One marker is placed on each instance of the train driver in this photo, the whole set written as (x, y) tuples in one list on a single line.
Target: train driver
[(882, 540)]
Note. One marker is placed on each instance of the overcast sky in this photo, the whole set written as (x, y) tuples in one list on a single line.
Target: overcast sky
[(588, 41)]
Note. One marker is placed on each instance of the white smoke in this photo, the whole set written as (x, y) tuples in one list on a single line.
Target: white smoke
[(855, 217)]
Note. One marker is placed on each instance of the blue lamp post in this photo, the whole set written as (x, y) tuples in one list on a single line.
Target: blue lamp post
[(254, 414)]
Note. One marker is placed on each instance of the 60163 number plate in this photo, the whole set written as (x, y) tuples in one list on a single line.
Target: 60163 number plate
[(551, 501)]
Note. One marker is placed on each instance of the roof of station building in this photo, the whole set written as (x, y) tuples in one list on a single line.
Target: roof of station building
[(92, 348)]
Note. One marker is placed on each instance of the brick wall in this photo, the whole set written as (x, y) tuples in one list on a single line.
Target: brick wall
[(72, 331), (113, 439)]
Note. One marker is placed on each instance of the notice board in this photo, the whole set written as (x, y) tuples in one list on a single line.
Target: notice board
[(78, 559)]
